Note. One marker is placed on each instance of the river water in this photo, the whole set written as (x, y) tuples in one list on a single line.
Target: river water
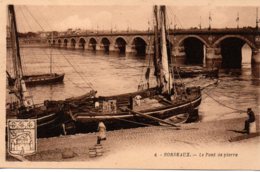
[(113, 74)]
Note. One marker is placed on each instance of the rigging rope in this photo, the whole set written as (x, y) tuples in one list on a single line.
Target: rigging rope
[(171, 65), (23, 20), (83, 76), (89, 84), (26, 22), (61, 70), (173, 14), (147, 75), (45, 53), (33, 17)]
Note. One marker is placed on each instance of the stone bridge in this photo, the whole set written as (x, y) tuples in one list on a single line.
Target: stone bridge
[(196, 46)]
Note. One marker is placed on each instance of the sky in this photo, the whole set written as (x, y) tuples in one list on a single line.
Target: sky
[(60, 18)]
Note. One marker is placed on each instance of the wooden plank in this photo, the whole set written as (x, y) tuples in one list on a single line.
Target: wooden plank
[(149, 117)]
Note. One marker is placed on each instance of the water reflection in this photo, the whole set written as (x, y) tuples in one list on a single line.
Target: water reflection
[(255, 70)]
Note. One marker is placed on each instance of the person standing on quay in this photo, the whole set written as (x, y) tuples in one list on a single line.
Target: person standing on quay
[(101, 132), (251, 118)]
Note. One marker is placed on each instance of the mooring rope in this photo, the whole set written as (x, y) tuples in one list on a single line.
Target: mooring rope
[(238, 110)]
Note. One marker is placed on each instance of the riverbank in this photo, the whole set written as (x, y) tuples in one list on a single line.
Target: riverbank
[(157, 147)]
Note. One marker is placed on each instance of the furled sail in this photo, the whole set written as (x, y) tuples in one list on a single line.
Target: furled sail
[(165, 64), (161, 63)]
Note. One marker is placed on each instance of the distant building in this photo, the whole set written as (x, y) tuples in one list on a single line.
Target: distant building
[(69, 31)]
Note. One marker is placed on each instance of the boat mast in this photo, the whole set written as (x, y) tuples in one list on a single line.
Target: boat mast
[(18, 71), (157, 70), (51, 53), (257, 21), (20, 91)]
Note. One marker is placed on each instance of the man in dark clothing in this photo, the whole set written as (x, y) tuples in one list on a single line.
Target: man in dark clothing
[(251, 118)]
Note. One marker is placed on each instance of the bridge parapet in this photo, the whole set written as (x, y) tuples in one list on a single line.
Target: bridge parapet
[(256, 51)]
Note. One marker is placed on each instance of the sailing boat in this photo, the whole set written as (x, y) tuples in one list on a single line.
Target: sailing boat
[(167, 99), (39, 79), (23, 106)]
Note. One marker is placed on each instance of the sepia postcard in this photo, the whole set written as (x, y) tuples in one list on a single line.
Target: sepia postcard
[(135, 84)]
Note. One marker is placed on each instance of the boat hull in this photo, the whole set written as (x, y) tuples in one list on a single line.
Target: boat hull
[(187, 72), (48, 120), (164, 113), (43, 79), (80, 115)]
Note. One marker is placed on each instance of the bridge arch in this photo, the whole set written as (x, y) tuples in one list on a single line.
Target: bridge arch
[(120, 44), (194, 47), (105, 44), (59, 42), (217, 42), (139, 37), (139, 44), (92, 43), (180, 42), (82, 43), (231, 50), (65, 43), (73, 43)]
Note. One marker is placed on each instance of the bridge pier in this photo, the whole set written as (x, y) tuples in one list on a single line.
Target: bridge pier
[(179, 54), (149, 49), (112, 48), (129, 49), (255, 66), (213, 57), (116, 48), (65, 45), (256, 52), (76, 46), (101, 47), (98, 47), (91, 47), (256, 56)]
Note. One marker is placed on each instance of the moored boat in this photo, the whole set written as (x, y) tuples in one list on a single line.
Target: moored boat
[(42, 79), (193, 71)]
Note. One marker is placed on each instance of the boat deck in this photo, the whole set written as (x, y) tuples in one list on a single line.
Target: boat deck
[(148, 103)]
